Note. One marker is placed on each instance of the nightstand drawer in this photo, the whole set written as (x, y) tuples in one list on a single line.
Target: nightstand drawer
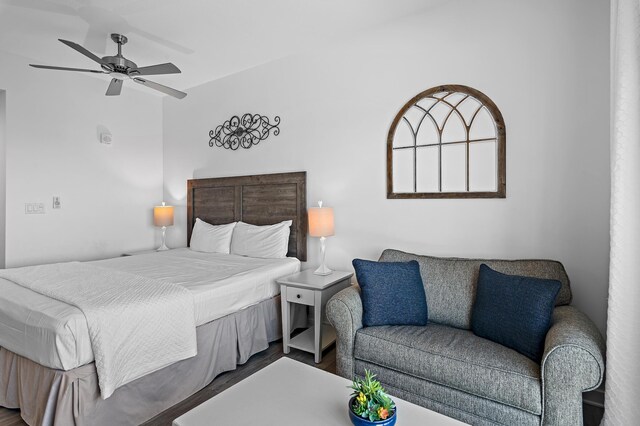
[(300, 295)]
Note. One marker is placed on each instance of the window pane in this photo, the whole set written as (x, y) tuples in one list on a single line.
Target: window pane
[(482, 166), (403, 170), (455, 98), (454, 168), (426, 103), (427, 169), (440, 112), (403, 136), (483, 126), (468, 108), (428, 134), (454, 130), (414, 115)]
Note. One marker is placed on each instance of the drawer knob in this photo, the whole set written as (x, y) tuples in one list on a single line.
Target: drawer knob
[(298, 296)]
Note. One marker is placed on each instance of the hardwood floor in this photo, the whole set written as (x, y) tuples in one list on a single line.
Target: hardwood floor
[(220, 383), (10, 417)]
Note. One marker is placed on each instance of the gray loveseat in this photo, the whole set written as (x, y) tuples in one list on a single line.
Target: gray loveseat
[(445, 367)]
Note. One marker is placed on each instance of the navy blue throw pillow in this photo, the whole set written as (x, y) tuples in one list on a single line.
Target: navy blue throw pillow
[(392, 293), (514, 311)]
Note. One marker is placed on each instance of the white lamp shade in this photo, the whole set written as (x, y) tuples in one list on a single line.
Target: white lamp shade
[(163, 216), (321, 222)]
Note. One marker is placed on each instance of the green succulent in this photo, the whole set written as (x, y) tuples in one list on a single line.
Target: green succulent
[(371, 401)]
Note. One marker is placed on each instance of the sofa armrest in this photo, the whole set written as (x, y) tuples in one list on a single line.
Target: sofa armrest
[(573, 362), (344, 311)]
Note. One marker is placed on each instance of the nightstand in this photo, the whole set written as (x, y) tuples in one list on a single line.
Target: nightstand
[(134, 253), (306, 288)]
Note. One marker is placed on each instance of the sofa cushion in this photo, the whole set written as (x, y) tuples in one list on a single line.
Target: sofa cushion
[(514, 311), (450, 283), (392, 293), (455, 358)]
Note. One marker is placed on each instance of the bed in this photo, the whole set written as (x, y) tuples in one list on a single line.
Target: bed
[(47, 366)]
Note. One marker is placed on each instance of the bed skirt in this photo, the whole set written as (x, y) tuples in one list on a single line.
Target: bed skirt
[(55, 397)]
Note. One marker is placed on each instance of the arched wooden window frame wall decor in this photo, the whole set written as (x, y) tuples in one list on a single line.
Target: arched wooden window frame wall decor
[(440, 94)]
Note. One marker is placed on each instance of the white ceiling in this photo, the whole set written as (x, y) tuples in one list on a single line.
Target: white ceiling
[(206, 39)]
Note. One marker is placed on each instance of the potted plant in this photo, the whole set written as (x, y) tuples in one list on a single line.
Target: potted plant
[(369, 403)]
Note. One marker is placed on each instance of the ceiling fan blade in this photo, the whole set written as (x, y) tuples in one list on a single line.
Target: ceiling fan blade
[(115, 87), (85, 52), (167, 68), (47, 67), (159, 87)]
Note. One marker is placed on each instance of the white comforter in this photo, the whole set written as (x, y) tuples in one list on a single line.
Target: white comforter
[(55, 334), (137, 325)]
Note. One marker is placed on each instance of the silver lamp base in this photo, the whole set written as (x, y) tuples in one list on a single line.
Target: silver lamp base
[(163, 246), (322, 270)]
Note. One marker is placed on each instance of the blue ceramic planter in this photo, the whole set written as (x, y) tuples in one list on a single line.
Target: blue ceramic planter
[(359, 421)]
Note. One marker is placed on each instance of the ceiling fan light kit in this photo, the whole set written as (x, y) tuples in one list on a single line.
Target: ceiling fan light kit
[(120, 69)]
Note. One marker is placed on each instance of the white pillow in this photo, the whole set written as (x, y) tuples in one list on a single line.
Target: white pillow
[(269, 241), (211, 238)]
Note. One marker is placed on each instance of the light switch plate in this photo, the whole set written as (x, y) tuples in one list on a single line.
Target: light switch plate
[(34, 208), (56, 202)]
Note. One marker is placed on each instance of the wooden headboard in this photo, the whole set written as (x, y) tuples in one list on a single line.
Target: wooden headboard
[(257, 199)]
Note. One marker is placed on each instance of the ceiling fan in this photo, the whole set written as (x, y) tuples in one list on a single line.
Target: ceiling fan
[(120, 69)]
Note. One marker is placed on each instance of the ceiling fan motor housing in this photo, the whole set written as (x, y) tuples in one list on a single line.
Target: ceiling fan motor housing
[(119, 63)]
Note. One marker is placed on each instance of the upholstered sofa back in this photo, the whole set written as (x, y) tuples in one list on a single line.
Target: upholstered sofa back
[(450, 283)]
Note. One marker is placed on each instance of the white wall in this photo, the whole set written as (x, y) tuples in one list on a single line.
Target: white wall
[(544, 63), (107, 193)]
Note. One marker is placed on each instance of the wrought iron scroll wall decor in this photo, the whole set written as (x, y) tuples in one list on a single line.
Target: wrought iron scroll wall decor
[(245, 132), (447, 142)]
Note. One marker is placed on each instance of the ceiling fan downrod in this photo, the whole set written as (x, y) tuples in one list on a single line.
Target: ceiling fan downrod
[(119, 39)]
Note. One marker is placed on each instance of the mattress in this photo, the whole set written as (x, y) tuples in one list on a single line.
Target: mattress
[(54, 334)]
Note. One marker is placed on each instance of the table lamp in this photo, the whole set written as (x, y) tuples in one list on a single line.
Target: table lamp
[(321, 225), (163, 216)]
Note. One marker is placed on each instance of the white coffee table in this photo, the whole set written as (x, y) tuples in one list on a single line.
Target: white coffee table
[(289, 392)]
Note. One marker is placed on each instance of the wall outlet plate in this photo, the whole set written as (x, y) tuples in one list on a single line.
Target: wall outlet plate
[(56, 202)]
